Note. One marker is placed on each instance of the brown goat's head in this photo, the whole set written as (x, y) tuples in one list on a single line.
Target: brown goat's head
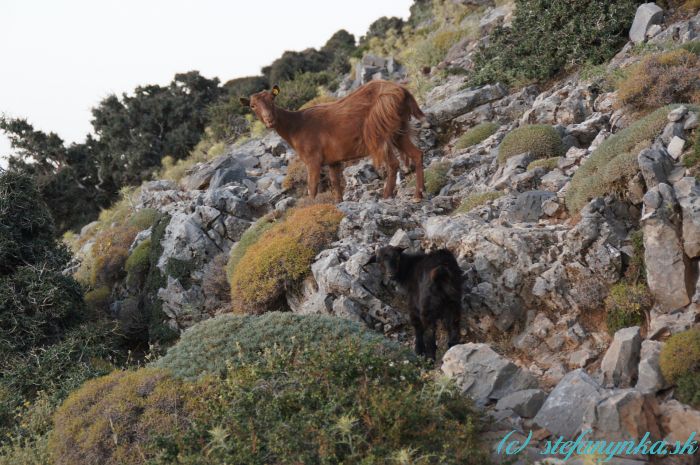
[(263, 105)]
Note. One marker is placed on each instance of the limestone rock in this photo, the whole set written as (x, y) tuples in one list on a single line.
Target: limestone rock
[(525, 403), (678, 421), (647, 14), (482, 374), (465, 101), (650, 379), (687, 192), (623, 414), (619, 365), (563, 411), (655, 166)]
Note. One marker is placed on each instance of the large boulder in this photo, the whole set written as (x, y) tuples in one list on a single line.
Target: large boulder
[(563, 411), (687, 192), (525, 403), (527, 207), (484, 375), (678, 421), (663, 250), (655, 166), (623, 414), (647, 14), (465, 101), (223, 170), (619, 365), (649, 378)]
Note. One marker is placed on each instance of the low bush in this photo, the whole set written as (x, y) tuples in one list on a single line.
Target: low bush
[(661, 79), (626, 305), (436, 176), (680, 355), (547, 36), (301, 89), (84, 352), (476, 200), (541, 140), (109, 254), (27, 443), (137, 264), (215, 286), (610, 167), (208, 345), (98, 300), (281, 258), (547, 163), (249, 237), (321, 391), (688, 389), (115, 420), (476, 135), (36, 305)]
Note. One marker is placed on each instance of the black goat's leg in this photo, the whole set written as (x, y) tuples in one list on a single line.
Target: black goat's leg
[(418, 328), (430, 344), (452, 325)]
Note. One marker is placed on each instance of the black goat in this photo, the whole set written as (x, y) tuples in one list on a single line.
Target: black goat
[(433, 282)]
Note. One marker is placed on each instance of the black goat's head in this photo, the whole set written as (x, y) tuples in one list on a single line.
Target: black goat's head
[(389, 259)]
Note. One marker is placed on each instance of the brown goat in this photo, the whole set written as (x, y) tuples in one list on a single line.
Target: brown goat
[(373, 120)]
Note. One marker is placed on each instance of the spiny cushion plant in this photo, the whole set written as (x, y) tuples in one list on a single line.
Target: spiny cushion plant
[(436, 176), (281, 258), (249, 237), (476, 135), (547, 163), (614, 162), (661, 79), (110, 252), (541, 140), (626, 305), (546, 36), (476, 200), (114, 420), (207, 346), (336, 394), (680, 355)]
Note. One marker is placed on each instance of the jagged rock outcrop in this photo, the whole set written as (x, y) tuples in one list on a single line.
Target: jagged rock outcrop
[(619, 365)]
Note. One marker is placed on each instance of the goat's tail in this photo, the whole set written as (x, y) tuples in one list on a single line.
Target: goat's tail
[(416, 112), (384, 120)]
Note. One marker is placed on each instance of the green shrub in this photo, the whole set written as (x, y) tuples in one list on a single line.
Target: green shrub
[(476, 200), (301, 89), (693, 46), (180, 270), (114, 420), (626, 305), (139, 260), (547, 36), (614, 162), (541, 140), (32, 451), (661, 79), (436, 176), (27, 232), (109, 254), (476, 135), (83, 353), (680, 355), (330, 396), (692, 159), (144, 218), (208, 345), (249, 237), (36, 305), (688, 389), (27, 444), (547, 163), (281, 258), (98, 300)]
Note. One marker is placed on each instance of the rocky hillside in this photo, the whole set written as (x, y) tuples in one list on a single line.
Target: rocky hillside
[(572, 205)]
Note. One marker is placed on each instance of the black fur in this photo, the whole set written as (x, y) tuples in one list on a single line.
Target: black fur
[(433, 282)]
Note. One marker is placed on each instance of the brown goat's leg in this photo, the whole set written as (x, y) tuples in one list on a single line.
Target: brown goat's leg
[(313, 178), (392, 166), (414, 153), (452, 324), (336, 175)]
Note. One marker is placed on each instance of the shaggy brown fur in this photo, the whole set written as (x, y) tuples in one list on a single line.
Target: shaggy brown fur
[(373, 120)]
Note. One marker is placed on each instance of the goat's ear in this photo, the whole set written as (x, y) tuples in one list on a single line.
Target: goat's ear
[(244, 101), (275, 91)]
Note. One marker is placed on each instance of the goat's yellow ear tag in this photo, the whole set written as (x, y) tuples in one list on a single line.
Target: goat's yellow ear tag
[(275, 91)]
